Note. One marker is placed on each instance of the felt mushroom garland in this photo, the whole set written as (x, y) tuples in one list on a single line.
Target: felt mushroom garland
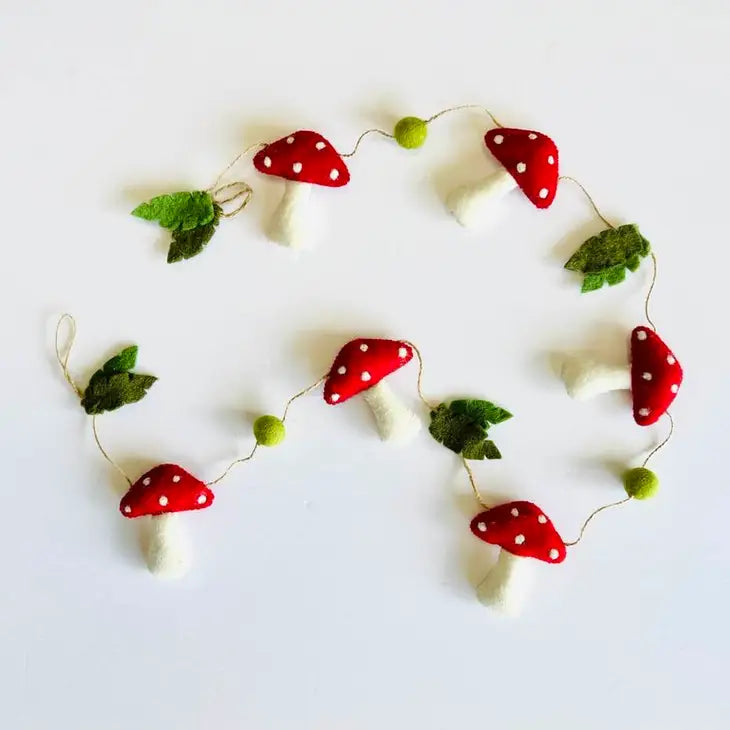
[(302, 159), (528, 161)]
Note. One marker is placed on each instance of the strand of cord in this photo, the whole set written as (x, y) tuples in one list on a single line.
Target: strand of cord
[(63, 355), (486, 505), (242, 190)]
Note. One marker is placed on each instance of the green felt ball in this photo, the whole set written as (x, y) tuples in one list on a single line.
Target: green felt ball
[(410, 132), (641, 483), (269, 430)]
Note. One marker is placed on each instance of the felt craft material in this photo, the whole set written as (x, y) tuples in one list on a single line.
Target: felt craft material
[(522, 530), (191, 216), (586, 378), (183, 211), (506, 586), (529, 161), (641, 483), (359, 367), (166, 488), (303, 158), (167, 548), (395, 422), (605, 257), (462, 426), (410, 132), (655, 376), (269, 430), (113, 385), (186, 244), (159, 494)]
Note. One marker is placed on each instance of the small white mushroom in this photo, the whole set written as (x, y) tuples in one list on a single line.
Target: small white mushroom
[(302, 159), (359, 369)]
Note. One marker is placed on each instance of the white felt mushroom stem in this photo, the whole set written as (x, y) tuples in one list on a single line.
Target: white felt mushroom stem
[(290, 223), (168, 552), (507, 584), (476, 204), (395, 421), (585, 378)]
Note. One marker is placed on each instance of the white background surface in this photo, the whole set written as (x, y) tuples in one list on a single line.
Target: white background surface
[(333, 579)]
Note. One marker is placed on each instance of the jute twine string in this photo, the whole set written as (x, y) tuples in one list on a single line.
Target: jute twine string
[(62, 355)]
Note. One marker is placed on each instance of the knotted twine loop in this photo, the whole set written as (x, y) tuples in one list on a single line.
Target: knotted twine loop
[(63, 355), (238, 191)]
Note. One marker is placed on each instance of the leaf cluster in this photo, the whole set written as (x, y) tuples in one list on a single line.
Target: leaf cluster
[(462, 426), (114, 385), (191, 216)]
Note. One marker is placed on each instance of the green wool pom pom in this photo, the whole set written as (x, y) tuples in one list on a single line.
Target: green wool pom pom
[(410, 132), (269, 430), (641, 483)]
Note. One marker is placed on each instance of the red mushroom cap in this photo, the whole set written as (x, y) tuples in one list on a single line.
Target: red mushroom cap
[(305, 157), (655, 376), (522, 529), (363, 363), (166, 488), (531, 158)]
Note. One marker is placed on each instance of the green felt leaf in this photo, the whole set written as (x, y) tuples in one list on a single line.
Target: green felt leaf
[(121, 362), (592, 282), (454, 430), (633, 262), (615, 275), (461, 426), (481, 411), (178, 211), (609, 248), (605, 257), (491, 451), (113, 386), (109, 392), (481, 450), (186, 244)]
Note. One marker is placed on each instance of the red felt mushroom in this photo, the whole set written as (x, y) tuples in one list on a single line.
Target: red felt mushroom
[(303, 159), (360, 367), (529, 161), (653, 375), (160, 494), (522, 530)]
